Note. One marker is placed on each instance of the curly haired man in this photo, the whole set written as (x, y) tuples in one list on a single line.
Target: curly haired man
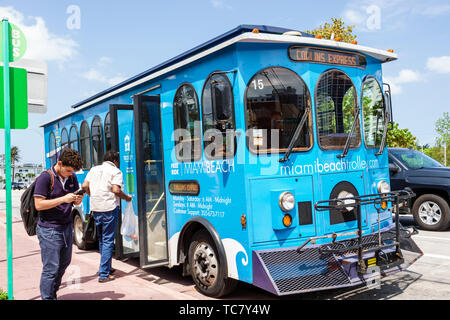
[(53, 199)]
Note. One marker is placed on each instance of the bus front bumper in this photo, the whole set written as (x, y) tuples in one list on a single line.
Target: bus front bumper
[(337, 265), (363, 259)]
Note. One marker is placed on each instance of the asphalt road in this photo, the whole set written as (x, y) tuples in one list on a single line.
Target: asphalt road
[(428, 278)]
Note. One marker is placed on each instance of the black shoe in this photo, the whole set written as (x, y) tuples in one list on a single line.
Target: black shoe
[(110, 271), (107, 279)]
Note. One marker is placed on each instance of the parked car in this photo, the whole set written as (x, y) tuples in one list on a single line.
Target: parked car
[(18, 186), (429, 180)]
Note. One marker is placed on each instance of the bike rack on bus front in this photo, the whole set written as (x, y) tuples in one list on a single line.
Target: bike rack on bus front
[(380, 202)]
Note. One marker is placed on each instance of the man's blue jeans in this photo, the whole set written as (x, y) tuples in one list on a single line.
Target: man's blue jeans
[(106, 223), (56, 254)]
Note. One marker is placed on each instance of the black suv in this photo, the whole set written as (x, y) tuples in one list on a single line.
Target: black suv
[(429, 180)]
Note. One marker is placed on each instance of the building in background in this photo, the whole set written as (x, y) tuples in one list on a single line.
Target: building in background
[(24, 173)]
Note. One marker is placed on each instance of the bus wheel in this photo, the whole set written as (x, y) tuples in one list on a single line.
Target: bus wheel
[(78, 233), (206, 268), (431, 212)]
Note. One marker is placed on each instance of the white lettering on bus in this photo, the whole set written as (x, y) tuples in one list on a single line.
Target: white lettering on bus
[(327, 167)]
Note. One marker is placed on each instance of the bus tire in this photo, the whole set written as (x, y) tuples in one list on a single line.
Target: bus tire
[(78, 233), (431, 212), (206, 268)]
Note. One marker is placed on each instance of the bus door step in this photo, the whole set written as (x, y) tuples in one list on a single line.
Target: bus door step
[(284, 271)]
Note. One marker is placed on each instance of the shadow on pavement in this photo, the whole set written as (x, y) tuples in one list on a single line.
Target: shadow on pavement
[(103, 295), (407, 221), (32, 253), (391, 286)]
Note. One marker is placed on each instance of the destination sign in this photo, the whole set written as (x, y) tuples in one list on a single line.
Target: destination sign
[(184, 188), (308, 54)]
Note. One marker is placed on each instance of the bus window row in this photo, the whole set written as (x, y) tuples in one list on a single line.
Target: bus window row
[(276, 98), (91, 142)]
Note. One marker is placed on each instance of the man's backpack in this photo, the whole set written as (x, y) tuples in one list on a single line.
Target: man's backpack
[(28, 210)]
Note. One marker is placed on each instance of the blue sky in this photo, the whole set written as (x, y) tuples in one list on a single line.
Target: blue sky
[(118, 39)]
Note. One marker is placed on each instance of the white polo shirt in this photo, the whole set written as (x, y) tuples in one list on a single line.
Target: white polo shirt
[(101, 178)]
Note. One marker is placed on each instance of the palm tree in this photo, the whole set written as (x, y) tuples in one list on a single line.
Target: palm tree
[(15, 157), (30, 176)]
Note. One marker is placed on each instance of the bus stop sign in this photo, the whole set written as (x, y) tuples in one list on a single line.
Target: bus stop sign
[(17, 43), (18, 96)]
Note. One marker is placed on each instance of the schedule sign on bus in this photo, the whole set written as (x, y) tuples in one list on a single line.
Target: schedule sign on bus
[(308, 54)]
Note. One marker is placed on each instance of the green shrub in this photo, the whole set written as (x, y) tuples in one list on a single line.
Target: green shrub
[(3, 295)]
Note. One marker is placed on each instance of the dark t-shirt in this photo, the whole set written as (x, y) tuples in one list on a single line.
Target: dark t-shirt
[(60, 216)]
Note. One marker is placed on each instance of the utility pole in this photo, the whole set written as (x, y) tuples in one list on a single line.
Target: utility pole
[(6, 93), (15, 116)]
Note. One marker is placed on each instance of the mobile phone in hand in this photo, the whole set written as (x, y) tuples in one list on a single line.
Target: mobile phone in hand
[(80, 192)]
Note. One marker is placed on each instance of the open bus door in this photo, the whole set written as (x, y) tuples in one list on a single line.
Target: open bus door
[(122, 140), (136, 134), (150, 182)]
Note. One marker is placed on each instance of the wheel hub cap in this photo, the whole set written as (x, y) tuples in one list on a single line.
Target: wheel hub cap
[(430, 213), (205, 264)]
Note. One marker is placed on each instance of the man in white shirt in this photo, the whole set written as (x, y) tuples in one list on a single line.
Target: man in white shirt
[(103, 184)]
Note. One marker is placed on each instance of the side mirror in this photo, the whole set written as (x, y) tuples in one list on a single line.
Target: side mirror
[(393, 169), (388, 101)]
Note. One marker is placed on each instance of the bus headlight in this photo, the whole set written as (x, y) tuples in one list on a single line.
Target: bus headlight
[(287, 201), (383, 187)]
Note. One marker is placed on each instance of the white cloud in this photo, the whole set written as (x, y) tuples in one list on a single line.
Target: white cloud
[(395, 88), (97, 76), (404, 76), (94, 75), (97, 73), (439, 64), (104, 61), (407, 76), (41, 43), (376, 15), (220, 4), (354, 17)]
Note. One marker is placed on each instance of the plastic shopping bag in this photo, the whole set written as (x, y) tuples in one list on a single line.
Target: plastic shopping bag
[(129, 226)]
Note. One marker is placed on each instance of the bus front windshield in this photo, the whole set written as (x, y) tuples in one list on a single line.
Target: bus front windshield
[(336, 109), (414, 159), (276, 100)]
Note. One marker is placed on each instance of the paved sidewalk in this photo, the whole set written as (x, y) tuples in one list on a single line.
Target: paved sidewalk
[(80, 281)]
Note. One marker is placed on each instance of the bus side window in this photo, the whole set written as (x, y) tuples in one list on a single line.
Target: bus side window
[(107, 133), (218, 117), (73, 138), (52, 149), (186, 118), (85, 142), (97, 141), (373, 109), (64, 139)]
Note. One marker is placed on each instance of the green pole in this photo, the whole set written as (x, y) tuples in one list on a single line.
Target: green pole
[(7, 155)]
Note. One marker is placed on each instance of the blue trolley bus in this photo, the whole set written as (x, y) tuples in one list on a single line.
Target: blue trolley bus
[(258, 157)]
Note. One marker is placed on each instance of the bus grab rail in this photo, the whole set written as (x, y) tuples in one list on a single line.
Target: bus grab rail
[(395, 197)]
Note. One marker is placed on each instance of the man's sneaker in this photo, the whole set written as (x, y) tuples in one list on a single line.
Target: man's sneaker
[(109, 278)]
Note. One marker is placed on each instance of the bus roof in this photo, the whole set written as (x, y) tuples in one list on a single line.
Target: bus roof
[(242, 33)]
